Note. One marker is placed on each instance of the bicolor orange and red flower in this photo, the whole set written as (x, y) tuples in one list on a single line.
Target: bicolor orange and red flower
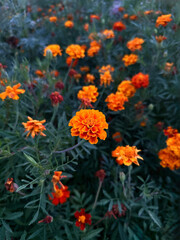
[(130, 59), (93, 16), (69, 24), (40, 73), (135, 44), (116, 101), (82, 219), (170, 132), (90, 92), (89, 125), (126, 155), (127, 88), (12, 92), (108, 34), (168, 66), (71, 62), (75, 51), (56, 98), (160, 38), (60, 195), (53, 19), (140, 80), (119, 26), (34, 127), (163, 20), (55, 49)]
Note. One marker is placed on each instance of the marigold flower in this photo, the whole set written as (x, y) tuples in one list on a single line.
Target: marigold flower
[(106, 79), (116, 101), (82, 219), (90, 92), (53, 19), (133, 17), (55, 73), (60, 195), (126, 155), (85, 69), (148, 12), (127, 88), (70, 63), (125, 16), (54, 48), (75, 51), (169, 159), (170, 132), (135, 44), (101, 175), (121, 9), (40, 73), (89, 125), (109, 68), (173, 144), (94, 48), (93, 36), (140, 80), (34, 127), (56, 98), (85, 103), (168, 66), (130, 59), (3, 82), (119, 26), (108, 34), (86, 27), (115, 211), (77, 76), (117, 137), (89, 78), (12, 92), (69, 24), (163, 20), (93, 16), (9, 185), (160, 38)]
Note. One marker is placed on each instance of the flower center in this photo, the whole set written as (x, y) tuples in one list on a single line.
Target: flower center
[(59, 193), (82, 219)]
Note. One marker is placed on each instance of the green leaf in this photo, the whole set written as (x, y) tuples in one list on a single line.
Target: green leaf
[(23, 237), (91, 234), (13, 216), (34, 218), (31, 160), (6, 226), (155, 218)]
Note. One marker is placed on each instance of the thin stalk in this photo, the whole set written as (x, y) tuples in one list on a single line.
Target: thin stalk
[(97, 194), (71, 148), (54, 113), (65, 79)]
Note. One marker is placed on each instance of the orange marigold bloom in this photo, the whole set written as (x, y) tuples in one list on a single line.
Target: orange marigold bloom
[(168, 66), (34, 127), (126, 155), (117, 137), (127, 88), (173, 144), (69, 61), (75, 51), (90, 92), (89, 125), (55, 73), (121, 9), (163, 20), (12, 92), (106, 78), (148, 12), (108, 34), (94, 48), (116, 101), (89, 78), (85, 69), (69, 24), (130, 59), (40, 73), (53, 19), (160, 38), (135, 44), (93, 16), (170, 132), (125, 16), (109, 68), (60, 195), (86, 27), (169, 159), (140, 80), (54, 48), (133, 17), (119, 26)]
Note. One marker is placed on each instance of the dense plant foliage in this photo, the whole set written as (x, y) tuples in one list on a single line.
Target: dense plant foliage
[(89, 126)]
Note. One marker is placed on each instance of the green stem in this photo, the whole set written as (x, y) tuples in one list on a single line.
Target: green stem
[(65, 79), (54, 113), (97, 194), (71, 148), (17, 115)]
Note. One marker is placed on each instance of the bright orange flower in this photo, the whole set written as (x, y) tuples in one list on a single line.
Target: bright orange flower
[(40, 73), (169, 159), (54, 48), (170, 132), (135, 44), (117, 137), (168, 66), (94, 48), (108, 34), (86, 27), (3, 82), (34, 127), (12, 92), (140, 80), (130, 59), (109, 68), (163, 20), (85, 69), (173, 144), (119, 26), (160, 38), (69, 62), (60, 195), (57, 179), (116, 101), (89, 78), (126, 155), (75, 51), (55, 73), (93, 16), (106, 79), (125, 16), (90, 92), (69, 24), (89, 125), (127, 88), (133, 17), (148, 12), (53, 19), (121, 9)]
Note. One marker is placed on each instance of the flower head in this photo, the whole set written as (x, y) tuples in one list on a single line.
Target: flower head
[(86, 27), (101, 175), (126, 155), (82, 219), (54, 48), (56, 98), (9, 185), (163, 20), (34, 127), (119, 26), (89, 78), (59, 85), (40, 73), (130, 59), (94, 48), (71, 62), (140, 80), (12, 92), (116, 101), (127, 88), (108, 34), (170, 132), (117, 137), (75, 51), (90, 92), (69, 24), (160, 38), (47, 219), (135, 44), (93, 16), (53, 19), (89, 125), (60, 195)]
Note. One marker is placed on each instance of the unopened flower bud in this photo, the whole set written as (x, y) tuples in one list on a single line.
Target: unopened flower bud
[(151, 107), (122, 176), (49, 54)]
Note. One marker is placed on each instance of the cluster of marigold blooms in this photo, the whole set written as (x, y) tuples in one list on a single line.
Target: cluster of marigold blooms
[(170, 156)]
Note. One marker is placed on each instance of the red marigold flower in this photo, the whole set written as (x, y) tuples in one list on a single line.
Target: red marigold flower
[(60, 195), (82, 219), (140, 80), (89, 124), (59, 85), (101, 175), (116, 101), (163, 20), (133, 17), (71, 62), (126, 155), (40, 73), (170, 132), (53, 19), (72, 72), (56, 98), (119, 26)]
